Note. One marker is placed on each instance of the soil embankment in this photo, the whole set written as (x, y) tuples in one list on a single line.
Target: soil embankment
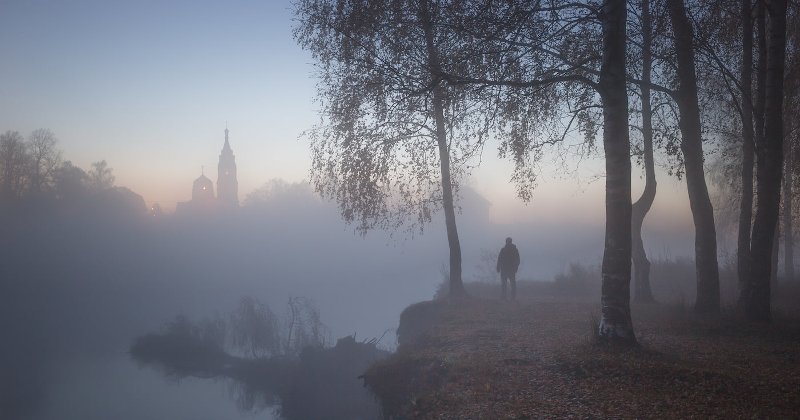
[(483, 358)]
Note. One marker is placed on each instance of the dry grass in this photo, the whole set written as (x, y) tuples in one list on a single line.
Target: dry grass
[(485, 358)]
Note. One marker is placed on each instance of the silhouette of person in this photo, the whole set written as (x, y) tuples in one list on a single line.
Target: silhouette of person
[(507, 265)]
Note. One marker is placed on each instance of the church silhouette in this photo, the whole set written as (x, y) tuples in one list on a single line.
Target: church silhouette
[(203, 199)]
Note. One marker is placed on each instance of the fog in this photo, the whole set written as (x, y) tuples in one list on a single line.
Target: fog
[(83, 278)]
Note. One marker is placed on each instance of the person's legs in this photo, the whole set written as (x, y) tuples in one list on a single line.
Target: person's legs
[(513, 278), (503, 281)]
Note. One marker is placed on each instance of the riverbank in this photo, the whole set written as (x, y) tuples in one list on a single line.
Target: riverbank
[(536, 358)]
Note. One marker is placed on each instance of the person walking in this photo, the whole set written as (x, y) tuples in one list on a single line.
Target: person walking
[(507, 265)]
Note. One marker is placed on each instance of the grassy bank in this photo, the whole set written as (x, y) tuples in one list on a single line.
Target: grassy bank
[(536, 357)]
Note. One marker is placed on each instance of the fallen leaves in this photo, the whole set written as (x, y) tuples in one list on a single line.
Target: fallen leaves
[(535, 359)]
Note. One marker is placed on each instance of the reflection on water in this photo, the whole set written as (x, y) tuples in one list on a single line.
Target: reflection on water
[(115, 388)]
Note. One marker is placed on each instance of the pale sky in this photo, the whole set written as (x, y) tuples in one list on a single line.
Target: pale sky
[(149, 85)]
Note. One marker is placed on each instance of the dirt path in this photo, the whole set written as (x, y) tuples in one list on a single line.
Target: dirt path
[(487, 359)]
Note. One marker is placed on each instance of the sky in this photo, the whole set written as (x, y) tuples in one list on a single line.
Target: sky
[(149, 86)]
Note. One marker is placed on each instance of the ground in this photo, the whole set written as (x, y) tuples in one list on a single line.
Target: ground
[(480, 358)]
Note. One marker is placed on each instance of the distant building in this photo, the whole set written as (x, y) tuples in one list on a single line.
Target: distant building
[(227, 185), (203, 199), (203, 190)]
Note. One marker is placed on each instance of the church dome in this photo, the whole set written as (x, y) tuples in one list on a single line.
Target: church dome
[(203, 189)]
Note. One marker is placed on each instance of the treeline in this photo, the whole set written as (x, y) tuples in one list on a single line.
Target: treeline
[(413, 91), (34, 168)]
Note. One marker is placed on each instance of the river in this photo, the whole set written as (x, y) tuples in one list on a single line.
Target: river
[(114, 387)]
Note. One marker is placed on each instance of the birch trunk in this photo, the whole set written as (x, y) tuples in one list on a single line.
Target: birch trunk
[(769, 168), (641, 265), (692, 148), (615, 322), (438, 101), (746, 204), (788, 196)]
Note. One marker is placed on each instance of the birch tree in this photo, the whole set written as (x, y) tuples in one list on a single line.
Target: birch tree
[(686, 96), (395, 140), (641, 265), (769, 168)]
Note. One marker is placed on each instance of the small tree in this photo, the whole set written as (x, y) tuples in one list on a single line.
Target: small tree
[(44, 159), (69, 182), (303, 326), (254, 328), (14, 161), (101, 177)]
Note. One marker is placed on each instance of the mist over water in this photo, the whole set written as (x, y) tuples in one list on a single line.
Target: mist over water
[(113, 387)]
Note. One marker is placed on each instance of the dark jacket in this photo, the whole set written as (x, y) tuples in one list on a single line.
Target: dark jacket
[(508, 260)]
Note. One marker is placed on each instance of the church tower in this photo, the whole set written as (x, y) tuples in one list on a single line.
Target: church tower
[(227, 185)]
